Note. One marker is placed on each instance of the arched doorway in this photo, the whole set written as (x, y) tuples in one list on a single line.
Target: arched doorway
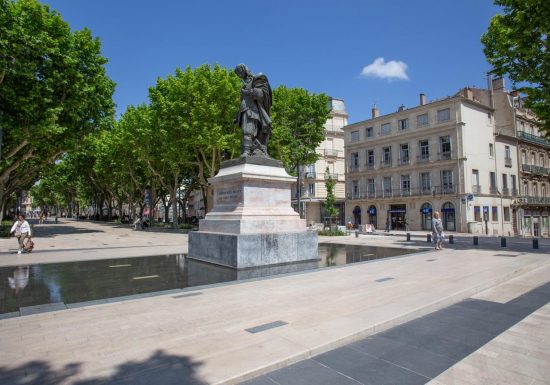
[(426, 216), (448, 216), (356, 216), (372, 215)]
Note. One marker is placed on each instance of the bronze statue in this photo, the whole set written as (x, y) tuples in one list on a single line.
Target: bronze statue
[(253, 116)]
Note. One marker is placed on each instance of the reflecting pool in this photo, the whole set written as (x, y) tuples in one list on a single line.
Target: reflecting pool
[(22, 288)]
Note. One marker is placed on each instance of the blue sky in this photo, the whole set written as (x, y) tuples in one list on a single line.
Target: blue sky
[(429, 46)]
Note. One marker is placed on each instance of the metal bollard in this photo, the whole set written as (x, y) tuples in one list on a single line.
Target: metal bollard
[(408, 237), (429, 238), (535, 243), (451, 239), (356, 233), (476, 241), (503, 242)]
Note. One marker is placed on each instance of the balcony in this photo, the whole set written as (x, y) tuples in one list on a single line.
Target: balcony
[(476, 189), (506, 191), (515, 192), (444, 155), (310, 175), (353, 168), (356, 195), (334, 176), (534, 139), (370, 166), (423, 158), (493, 190), (537, 170), (387, 193), (404, 161), (508, 162), (330, 153), (405, 192), (526, 167), (385, 163), (535, 200)]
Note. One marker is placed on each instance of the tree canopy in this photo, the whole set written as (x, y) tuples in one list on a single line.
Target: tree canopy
[(54, 91), (516, 45)]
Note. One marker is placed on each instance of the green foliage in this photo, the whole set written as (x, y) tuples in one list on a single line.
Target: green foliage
[(331, 233), (516, 44), (53, 91), (298, 125), (331, 210)]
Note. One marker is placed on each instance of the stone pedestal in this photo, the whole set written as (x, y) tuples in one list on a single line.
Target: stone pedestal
[(252, 222)]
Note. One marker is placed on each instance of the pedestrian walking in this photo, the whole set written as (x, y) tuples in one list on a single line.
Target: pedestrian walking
[(437, 231), (22, 230)]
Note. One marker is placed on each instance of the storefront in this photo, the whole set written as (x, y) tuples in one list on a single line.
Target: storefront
[(397, 215), (426, 216), (448, 216), (372, 215)]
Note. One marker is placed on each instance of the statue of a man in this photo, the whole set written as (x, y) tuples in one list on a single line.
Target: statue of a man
[(253, 116)]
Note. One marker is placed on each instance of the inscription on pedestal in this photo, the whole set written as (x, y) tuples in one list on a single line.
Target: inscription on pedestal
[(229, 195)]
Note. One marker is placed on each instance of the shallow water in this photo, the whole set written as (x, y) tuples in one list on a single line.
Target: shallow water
[(22, 288)]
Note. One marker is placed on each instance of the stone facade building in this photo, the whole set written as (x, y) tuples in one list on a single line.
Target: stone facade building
[(443, 156), (331, 155)]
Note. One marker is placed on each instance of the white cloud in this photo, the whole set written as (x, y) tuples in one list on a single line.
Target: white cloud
[(390, 70)]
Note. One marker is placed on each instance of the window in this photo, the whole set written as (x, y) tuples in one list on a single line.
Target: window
[(369, 132), (387, 186), (507, 154), (403, 124), (543, 190), (505, 190), (426, 182), (444, 115), (371, 186), (386, 128), (535, 189), (533, 159), (525, 189), (405, 185), (355, 136), (476, 188), (447, 180), (506, 214), (424, 150), (370, 159), (445, 147), (386, 156), (541, 160), (404, 153), (422, 120), (354, 161), (514, 186), (523, 157), (491, 149), (492, 183), (355, 188), (311, 189), (477, 213), (494, 213)]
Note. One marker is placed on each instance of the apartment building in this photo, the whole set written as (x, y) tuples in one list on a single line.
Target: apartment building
[(438, 156), (313, 176), (517, 124)]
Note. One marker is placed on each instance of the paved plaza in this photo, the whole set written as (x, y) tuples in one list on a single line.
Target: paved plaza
[(463, 315)]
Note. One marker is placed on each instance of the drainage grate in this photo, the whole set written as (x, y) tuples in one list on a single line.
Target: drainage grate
[(384, 279), (185, 295), (431, 260), (264, 327), (506, 255)]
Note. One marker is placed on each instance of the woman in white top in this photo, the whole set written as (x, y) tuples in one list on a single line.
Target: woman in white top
[(22, 231)]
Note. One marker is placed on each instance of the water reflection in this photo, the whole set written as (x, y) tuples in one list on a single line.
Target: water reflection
[(19, 279), (82, 281)]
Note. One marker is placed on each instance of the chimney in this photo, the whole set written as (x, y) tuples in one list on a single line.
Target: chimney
[(498, 83), (422, 99), (401, 108), (468, 93), (375, 112)]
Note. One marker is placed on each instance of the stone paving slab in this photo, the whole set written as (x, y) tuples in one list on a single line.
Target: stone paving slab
[(203, 338)]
